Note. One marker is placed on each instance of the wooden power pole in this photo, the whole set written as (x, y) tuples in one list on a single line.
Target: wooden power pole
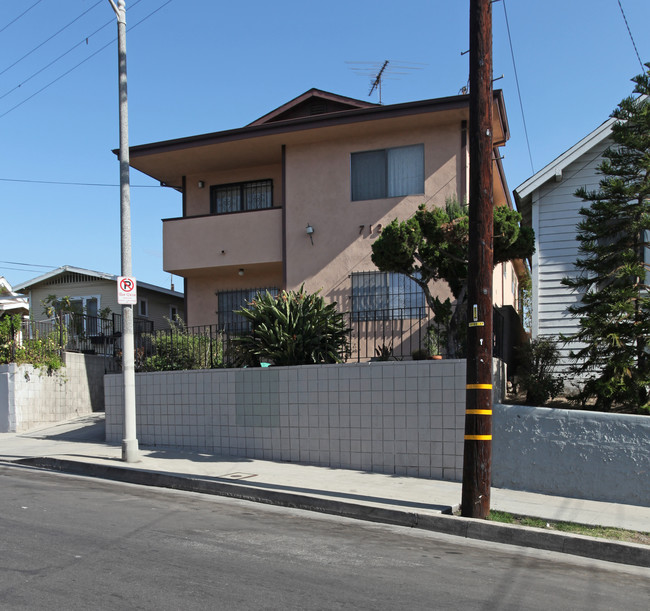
[(477, 465)]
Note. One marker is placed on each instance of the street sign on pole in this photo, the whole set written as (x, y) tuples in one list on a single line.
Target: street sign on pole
[(130, 451), (126, 291)]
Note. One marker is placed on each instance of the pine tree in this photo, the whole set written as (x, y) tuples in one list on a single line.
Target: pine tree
[(612, 278)]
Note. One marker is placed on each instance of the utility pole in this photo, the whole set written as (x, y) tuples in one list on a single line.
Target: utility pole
[(130, 452), (477, 465)]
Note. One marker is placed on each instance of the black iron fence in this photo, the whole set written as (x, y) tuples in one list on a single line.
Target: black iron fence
[(212, 346), (374, 337), (78, 333)]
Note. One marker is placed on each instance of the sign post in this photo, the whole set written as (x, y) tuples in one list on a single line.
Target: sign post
[(130, 452)]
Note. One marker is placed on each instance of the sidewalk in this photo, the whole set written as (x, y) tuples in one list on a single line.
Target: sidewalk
[(78, 447)]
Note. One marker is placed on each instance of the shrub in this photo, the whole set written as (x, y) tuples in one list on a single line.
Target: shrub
[(41, 350), (294, 328), (178, 349), (420, 354), (538, 360)]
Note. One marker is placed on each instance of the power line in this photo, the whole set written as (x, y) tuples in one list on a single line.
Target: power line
[(81, 62), (521, 105), (631, 37), (19, 16), (78, 184), (81, 42), (28, 264), (50, 38)]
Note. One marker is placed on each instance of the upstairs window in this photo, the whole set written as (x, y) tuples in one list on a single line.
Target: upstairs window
[(241, 196), (386, 296), (385, 173)]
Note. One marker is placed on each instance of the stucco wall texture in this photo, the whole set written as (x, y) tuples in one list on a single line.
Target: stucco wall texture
[(572, 453)]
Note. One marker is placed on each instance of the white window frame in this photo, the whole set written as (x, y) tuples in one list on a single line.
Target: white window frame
[(142, 300)]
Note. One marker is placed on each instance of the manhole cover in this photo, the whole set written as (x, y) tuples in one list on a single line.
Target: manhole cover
[(238, 475)]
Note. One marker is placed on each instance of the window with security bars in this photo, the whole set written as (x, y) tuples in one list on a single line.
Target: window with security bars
[(387, 172), (241, 196), (386, 296), (229, 301)]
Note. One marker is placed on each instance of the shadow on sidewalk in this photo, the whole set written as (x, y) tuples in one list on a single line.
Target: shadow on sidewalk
[(87, 429), (245, 479)]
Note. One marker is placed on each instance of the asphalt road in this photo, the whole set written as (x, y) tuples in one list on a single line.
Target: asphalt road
[(77, 543)]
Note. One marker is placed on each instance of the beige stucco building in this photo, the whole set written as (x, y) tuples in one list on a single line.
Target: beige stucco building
[(299, 195)]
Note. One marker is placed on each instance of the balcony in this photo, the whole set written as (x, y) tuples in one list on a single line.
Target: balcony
[(221, 240)]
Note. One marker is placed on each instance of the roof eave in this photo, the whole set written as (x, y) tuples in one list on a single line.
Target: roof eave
[(98, 275), (303, 123), (548, 172)]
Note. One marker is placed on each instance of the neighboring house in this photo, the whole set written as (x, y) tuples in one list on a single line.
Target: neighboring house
[(11, 302), (91, 292), (547, 202), (299, 195)]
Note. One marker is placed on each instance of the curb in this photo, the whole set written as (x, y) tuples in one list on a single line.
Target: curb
[(495, 532)]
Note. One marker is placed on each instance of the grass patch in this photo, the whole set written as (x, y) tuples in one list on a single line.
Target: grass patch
[(603, 532)]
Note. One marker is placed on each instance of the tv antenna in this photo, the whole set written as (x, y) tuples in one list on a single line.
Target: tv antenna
[(379, 71)]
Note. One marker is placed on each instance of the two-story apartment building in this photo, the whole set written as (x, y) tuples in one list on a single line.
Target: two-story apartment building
[(299, 195)]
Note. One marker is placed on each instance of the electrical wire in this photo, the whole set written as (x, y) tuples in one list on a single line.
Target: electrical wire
[(19, 16), (28, 264), (521, 105), (631, 37), (83, 61), (81, 42), (50, 38), (77, 184)]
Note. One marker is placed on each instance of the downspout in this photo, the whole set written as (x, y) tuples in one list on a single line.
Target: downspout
[(284, 217), (184, 214)]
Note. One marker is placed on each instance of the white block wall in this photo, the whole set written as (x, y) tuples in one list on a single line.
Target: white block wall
[(405, 418), (32, 398)]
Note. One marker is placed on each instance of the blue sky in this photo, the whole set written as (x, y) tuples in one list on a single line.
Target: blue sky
[(197, 66)]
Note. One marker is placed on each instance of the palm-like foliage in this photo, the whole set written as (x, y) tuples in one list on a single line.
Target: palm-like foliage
[(294, 328)]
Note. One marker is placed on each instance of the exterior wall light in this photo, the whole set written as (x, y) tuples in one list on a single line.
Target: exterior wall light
[(201, 184), (310, 232), (241, 271)]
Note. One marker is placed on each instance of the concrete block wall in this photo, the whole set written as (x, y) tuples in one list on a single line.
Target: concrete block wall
[(32, 398), (404, 418)]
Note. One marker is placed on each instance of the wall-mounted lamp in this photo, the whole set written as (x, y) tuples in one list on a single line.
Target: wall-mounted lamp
[(310, 232), (241, 271), (201, 184)]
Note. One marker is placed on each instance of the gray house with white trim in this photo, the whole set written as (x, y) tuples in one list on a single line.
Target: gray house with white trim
[(93, 291), (547, 202)]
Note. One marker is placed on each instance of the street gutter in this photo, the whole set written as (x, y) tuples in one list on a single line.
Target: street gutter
[(444, 522)]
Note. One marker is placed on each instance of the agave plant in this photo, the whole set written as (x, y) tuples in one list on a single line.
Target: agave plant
[(294, 328)]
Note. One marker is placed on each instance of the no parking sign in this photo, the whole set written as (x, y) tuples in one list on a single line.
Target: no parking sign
[(126, 291)]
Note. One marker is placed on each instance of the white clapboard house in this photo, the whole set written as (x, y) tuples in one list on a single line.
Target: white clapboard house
[(547, 201)]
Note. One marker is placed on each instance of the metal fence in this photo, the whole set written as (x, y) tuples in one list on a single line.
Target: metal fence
[(377, 336), (212, 346), (78, 333)]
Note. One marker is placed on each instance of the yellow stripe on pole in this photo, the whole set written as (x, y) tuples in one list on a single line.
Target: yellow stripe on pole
[(479, 387), (479, 412), (478, 437)]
